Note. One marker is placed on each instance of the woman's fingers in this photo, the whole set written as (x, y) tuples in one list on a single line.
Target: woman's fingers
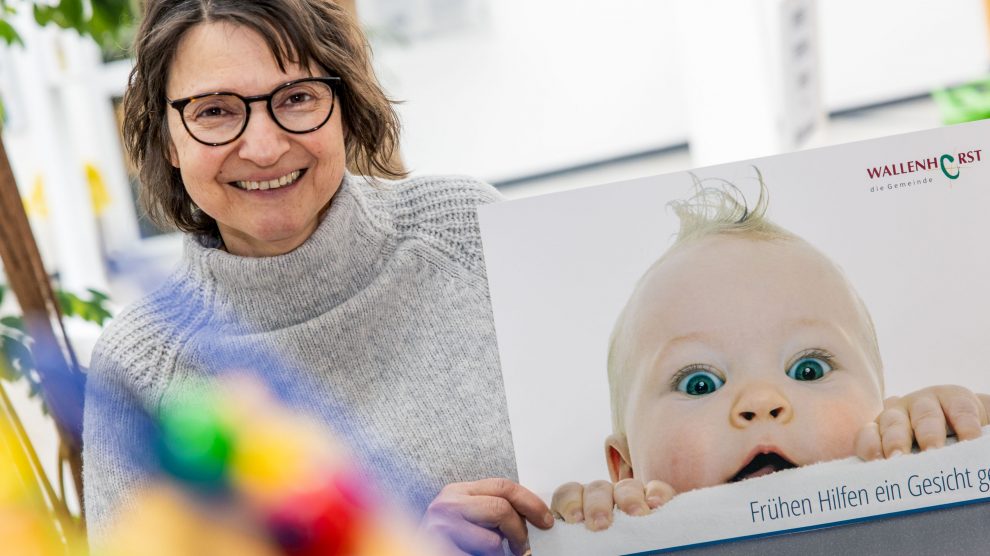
[(492, 512), (446, 545), (476, 516), (468, 538), (523, 501)]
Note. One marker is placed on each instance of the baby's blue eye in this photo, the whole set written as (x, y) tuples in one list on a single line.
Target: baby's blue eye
[(809, 368), (700, 383)]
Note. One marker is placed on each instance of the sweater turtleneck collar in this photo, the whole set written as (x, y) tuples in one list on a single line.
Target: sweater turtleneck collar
[(345, 252)]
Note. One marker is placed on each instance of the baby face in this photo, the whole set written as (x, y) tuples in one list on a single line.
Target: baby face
[(745, 357)]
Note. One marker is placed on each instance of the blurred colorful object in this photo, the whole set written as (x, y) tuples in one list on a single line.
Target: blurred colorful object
[(33, 521), (965, 103), (248, 476)]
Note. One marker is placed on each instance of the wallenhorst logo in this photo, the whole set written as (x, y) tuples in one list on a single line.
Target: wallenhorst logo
[(949, 164)]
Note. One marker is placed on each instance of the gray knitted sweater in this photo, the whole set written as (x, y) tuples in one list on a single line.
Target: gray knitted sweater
[(379, 324)]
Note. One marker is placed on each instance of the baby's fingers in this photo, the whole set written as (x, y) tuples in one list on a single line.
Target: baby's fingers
[(928, 422), (658, 493), (568, 502), (868, 446), (895, 431), (598, 504), (964, 412), (630, 497)]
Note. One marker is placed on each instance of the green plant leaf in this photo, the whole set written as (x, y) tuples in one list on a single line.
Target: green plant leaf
[(110, 18), (97, 295), (8, 34), (17, 355), (73, 11), (97, 314), (15, 322), (43, 15), (34, 388), (107, 22), (91, 310), (67, 14), (7, 371), (16, 359), (64, 300)]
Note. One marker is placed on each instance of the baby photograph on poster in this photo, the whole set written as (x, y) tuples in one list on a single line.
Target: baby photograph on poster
[(774, 345)]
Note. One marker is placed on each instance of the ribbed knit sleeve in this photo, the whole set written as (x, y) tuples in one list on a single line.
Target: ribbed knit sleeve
[(443, 211), (112, 436), (147, 336), (129, 370)]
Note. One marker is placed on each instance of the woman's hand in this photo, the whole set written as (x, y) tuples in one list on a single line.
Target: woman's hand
[(593, 503), (926, 417), (474, 517)]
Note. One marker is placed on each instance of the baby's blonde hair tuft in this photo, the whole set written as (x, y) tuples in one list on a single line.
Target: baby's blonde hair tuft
[(721, 209)]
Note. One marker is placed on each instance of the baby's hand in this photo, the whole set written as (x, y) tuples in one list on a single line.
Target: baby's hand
[(593, 503), (925, 417)]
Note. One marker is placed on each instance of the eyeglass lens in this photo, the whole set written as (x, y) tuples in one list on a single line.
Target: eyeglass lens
[(298, 107)]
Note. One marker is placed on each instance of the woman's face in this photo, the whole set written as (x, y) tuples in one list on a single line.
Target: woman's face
[(253, 222)]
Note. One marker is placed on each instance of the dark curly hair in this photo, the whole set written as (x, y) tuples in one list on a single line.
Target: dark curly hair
[(303, 32)]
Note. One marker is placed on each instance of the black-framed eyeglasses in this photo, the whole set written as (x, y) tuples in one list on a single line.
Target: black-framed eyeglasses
[(299, 106)]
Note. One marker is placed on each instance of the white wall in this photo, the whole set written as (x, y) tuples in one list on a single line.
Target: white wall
[(878, 50), (545, 85), (550, 84)]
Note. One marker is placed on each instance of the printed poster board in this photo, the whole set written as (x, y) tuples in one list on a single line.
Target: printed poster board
[(903, 218)]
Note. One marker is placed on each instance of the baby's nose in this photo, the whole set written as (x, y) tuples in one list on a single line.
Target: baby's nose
[(760, 403)]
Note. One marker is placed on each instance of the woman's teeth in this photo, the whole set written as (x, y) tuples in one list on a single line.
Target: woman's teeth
[(269, 184)]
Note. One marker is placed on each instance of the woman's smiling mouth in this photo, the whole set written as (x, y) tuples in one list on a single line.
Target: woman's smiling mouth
[(276, 183)]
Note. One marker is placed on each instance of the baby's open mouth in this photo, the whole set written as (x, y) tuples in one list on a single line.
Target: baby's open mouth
[(763, 464)]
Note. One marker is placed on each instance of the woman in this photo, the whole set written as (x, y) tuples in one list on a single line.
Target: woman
[(242, 117)]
